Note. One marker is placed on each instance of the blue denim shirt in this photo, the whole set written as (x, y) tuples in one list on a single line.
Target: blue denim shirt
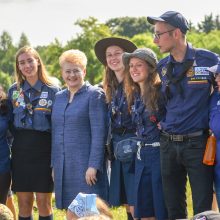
[(146, 121), (32, 105), (189, 113), (118, 108)]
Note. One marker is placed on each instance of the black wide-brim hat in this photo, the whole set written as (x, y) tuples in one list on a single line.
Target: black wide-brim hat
[(103, 44)]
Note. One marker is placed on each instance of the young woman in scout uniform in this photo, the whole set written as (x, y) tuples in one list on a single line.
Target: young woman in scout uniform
[(32, 98), (142, 86), (109, 52)]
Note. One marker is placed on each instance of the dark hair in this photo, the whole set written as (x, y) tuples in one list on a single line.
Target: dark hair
[(3, 106)]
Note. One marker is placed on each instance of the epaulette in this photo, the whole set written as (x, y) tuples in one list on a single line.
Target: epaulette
[(207, 54)]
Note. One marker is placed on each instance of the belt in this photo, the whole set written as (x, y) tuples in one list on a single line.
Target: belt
[(154, 144), (122, 131), (180, 137), (140, 144)]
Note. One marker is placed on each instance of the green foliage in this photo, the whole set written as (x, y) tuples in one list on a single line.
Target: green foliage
[(5, 80), (210, 41), (50, 55), (209, 23), (23, 41), (92, 31), (129, 26)]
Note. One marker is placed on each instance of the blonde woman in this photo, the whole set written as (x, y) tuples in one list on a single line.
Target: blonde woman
[(78, 133), (32, 98)]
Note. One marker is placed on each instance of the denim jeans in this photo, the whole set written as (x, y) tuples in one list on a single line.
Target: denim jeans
[(179, 159)]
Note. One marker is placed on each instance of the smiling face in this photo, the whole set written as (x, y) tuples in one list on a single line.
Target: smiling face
[(73, 75), (138, 69), (114, 58), (28, 65)]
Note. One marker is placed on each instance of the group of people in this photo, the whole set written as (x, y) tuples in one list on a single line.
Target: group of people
[(59, 135)]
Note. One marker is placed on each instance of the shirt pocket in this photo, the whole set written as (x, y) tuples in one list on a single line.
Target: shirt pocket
[(42, 120), (19, 115)]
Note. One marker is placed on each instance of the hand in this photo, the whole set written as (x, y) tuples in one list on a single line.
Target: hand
[(91, 176), (159, 126)]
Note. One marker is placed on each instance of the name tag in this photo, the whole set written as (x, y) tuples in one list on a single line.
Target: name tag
[(201, 71)]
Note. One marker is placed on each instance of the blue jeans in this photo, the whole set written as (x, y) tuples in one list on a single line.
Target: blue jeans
[(179, 159)]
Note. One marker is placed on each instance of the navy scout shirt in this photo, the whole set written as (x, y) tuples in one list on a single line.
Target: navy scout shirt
[(32, 105), (188, 113)]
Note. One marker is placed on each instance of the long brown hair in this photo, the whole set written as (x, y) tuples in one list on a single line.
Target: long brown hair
[(110, 83), (151, 89), (42, 73)]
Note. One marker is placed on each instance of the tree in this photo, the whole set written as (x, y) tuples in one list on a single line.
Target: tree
[(5, 41), (23, 41), (129, 26), (5, 80), (92, 31), (207, 24)]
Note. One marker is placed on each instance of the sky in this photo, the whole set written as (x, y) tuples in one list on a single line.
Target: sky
[(44, 20)]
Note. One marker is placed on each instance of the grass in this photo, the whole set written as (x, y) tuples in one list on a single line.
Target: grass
[(118, 213)]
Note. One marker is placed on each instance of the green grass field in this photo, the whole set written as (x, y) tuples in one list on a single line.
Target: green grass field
[(118, 213)]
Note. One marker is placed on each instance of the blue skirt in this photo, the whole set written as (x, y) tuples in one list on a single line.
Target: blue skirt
[(121, 189)]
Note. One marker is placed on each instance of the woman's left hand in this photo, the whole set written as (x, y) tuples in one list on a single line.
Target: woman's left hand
[(91, 176)]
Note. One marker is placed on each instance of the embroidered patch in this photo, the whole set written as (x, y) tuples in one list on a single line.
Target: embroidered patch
[(190, 72), (164, 71), (42, 102), (198, 81), (44, 95), (15, 95)]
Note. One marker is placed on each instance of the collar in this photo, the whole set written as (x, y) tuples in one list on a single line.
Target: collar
[(190, 54), (26, 86), (82, 89)]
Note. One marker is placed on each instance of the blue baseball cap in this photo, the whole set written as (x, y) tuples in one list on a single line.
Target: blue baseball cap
[(84, 205), (173, 18), (215, 69)]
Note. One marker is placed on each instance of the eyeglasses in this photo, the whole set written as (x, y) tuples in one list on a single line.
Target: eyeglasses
[(75, 72), (157, 35)]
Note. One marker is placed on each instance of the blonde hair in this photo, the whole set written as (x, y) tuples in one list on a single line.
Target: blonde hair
[(42, 73), (151, 89), (73, 56)]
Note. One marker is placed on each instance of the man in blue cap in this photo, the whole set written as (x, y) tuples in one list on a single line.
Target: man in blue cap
[(186, 85)]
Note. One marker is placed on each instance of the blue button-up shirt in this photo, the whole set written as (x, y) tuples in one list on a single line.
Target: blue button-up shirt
[(146, 121), (121, 118), (32, 105), (188, 113)]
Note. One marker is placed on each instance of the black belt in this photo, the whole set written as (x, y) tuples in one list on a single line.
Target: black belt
[(180, 137), (122, 131)]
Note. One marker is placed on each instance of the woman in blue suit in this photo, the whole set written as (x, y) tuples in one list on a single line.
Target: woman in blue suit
[(78, 133), (5, 176), (214, 124)]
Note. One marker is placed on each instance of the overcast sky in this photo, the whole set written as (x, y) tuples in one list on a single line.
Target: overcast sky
[(44, 20)]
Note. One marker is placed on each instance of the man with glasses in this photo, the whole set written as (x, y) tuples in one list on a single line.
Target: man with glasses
[(186, 85)]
